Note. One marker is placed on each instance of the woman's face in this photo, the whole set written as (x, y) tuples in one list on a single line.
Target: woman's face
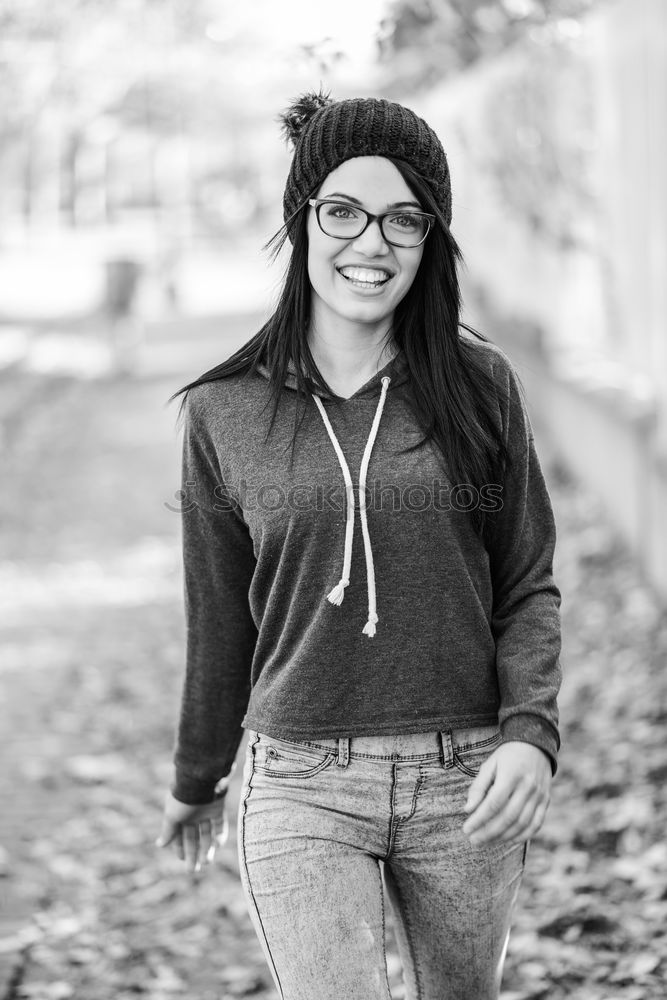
[(361, 280)]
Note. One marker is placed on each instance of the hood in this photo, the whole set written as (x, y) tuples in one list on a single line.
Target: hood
[(396, 369)]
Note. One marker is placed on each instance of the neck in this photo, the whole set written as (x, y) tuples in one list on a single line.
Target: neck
[(352, 349)]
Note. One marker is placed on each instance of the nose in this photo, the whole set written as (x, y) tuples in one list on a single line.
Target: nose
[(371, 242)]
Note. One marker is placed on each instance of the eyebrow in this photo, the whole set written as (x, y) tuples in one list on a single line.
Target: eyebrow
[(348, 197)]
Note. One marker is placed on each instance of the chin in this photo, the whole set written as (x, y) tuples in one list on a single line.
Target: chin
[(366, 314)]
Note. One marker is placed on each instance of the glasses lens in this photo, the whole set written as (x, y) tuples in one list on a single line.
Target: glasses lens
[(405, 229), (341, 220)]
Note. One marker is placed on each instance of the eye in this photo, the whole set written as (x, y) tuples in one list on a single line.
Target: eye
[(408, 221), (344, 213)]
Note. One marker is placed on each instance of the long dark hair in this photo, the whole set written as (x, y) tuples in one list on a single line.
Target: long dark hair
[(451, 392)]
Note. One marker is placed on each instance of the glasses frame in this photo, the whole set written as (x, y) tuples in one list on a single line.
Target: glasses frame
[(317, 203)]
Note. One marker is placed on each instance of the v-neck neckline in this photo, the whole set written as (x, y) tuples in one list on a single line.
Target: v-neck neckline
[(374, 378)]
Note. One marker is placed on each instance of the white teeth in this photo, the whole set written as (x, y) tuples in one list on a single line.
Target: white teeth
[(364, 274)]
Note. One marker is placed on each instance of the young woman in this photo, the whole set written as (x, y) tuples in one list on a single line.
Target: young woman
[(398, 682)]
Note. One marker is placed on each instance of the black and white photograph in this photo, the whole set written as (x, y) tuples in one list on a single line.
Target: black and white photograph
[(333, 548)]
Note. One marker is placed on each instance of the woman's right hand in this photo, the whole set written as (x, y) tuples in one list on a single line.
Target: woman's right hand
[(193, 831)]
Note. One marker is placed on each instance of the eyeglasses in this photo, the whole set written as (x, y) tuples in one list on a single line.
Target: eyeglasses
[(347, 222)]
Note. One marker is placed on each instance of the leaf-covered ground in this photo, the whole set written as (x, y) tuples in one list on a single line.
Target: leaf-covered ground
[(92, 652)]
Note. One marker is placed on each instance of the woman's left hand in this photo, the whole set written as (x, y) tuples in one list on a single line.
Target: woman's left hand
[(509, 797)]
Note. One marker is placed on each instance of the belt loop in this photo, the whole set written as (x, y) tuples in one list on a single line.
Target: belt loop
[(447, 752), (343, 757)]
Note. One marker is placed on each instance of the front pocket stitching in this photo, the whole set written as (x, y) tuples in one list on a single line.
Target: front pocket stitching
[(462, 766), (296, 774), (280, 753), (466, 770), (294, 745)]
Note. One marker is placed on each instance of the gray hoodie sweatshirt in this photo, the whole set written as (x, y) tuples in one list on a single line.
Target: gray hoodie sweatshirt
[(311, 613)]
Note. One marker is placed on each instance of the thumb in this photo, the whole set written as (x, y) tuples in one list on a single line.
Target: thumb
[(480, 786), (167, 833)]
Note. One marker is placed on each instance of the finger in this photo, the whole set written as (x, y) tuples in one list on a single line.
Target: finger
[(216, 814), (177, 844), (502, 813), (493, 804), (537, 822), (167, 833), (480, 786), (205, 838), (517, 831), (191, 846), (222, 833), (529, 820)]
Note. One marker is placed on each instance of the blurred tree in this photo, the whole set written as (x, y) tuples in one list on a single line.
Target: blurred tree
[(424, 41), (82, 72), (65, 65), (85, 54)]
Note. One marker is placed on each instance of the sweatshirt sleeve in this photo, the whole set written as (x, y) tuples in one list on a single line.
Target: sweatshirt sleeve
[(526, 601), (218, 564)]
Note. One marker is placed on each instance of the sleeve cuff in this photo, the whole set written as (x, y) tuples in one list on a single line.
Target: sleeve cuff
[(192, 791), (536, 730)]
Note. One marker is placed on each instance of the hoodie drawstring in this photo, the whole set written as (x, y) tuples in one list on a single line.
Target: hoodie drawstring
[(337, 594)]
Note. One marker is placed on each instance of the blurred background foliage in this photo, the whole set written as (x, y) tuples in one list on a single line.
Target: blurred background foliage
[(426, 41), (88, 77)]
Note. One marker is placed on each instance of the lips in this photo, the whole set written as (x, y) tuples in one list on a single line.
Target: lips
[(365, 277)]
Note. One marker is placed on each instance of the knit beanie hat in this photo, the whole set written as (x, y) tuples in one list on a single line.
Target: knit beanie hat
[(325, 133)]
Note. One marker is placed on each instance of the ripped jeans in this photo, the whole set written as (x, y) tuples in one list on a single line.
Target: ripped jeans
[(321, 825)]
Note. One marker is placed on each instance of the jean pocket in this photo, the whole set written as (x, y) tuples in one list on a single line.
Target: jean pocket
[(282, 758), (471, 747)]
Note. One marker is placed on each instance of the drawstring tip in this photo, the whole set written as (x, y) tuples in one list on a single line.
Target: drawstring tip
[(369, 627), (337, 594)]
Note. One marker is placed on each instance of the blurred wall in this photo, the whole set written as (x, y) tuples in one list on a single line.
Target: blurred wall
[(558, 154)]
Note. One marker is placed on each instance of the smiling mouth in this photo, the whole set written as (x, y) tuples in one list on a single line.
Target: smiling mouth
[(365, 277)]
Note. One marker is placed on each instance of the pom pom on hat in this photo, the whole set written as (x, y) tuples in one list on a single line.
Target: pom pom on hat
[(295, 118)]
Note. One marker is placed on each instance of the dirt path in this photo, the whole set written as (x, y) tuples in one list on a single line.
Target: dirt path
[(92, 647)]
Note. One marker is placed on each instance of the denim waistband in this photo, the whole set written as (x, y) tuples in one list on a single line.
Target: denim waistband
[(389, 745), (405, 746)]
